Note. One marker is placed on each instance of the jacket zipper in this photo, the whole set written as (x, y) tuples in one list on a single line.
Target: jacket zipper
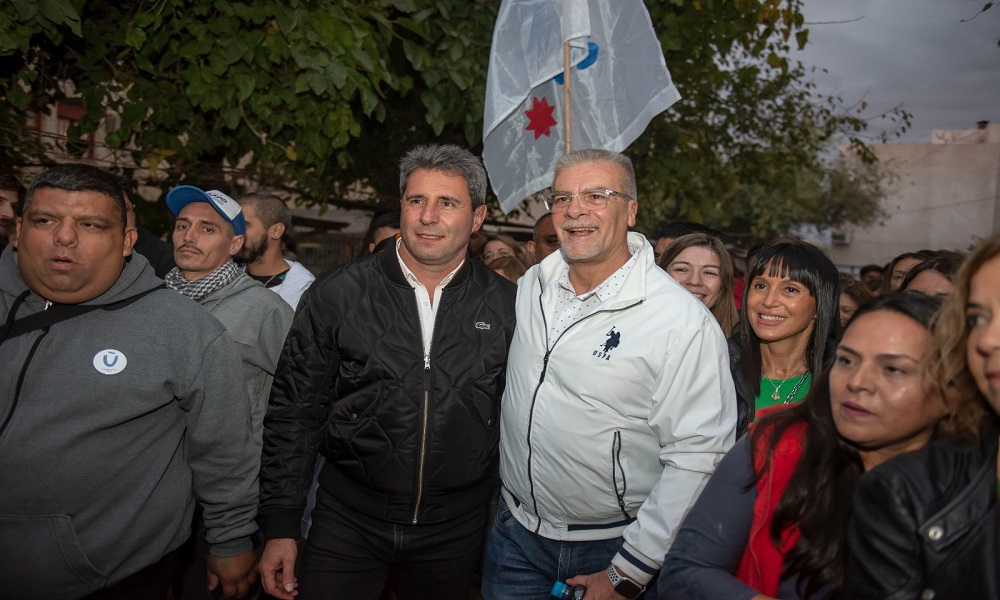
[(534, 396), (423, 440), (616, 466)]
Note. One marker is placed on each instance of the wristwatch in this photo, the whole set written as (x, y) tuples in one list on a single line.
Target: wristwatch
[(624, 586)]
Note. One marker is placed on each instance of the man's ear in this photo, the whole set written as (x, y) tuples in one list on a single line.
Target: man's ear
[(276, 231), (478, 216), (131, 235), (236, 245)]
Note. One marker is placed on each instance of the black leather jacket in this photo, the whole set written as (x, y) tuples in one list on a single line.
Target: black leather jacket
[(744, 396), (925, 525), (407, 438)]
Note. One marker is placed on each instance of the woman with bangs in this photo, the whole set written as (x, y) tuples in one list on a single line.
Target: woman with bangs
[(926, 524), (791, 318)]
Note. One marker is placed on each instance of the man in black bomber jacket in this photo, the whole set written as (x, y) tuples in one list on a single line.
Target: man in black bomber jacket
[(394, 370)]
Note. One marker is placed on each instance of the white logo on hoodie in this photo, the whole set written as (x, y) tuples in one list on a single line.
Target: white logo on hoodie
[(110, 362)]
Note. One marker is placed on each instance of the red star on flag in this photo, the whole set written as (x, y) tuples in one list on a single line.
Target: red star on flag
[(540, 119)]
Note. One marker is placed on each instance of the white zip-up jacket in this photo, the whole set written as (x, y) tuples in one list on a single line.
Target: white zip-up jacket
[(600, 440)]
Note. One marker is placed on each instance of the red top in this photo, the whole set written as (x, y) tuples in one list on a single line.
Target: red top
[(763, 561)]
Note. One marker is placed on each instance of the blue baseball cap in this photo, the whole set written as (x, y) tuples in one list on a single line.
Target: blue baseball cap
[(182, 195)]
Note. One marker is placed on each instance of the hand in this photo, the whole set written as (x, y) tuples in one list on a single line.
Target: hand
[(235, 573), (598, 586), (277, 568)]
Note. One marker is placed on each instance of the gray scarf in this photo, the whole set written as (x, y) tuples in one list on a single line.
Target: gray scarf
[(199, 288)]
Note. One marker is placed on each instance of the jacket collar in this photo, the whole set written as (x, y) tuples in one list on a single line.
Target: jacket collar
[(388, 262), (633, 289)]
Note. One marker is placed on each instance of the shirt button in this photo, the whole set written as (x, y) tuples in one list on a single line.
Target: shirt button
[(935, 533)]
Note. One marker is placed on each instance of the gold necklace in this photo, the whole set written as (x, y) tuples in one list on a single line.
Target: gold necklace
[(776, 396)]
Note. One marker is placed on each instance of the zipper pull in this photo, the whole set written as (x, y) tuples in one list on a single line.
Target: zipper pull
[(427, 362)]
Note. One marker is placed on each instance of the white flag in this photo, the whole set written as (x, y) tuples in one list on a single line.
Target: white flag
[(620, 82)]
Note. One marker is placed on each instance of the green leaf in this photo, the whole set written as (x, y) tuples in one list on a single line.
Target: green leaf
[(18, 98), (404, 5), (368, 100), (801, 38), (244, 86), (26, 9), (337, 73), (301, 83), (7, 43), (135, 37), (459, 79), (411, 26), (230, 117), (234, 50), (363, 58), (61, 12), (317, 82), (286, 16)]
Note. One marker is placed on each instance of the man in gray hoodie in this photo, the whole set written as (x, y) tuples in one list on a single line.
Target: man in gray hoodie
[(121, 404), (209, 231)]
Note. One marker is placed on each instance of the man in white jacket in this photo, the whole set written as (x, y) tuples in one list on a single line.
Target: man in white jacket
[(619, 402)]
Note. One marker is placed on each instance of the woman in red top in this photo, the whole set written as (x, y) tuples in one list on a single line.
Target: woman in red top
[(772, 519)]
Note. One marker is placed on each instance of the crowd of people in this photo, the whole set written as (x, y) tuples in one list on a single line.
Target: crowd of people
[(614, 415)]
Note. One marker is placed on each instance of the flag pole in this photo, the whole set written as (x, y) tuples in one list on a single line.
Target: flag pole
[(567, 97)]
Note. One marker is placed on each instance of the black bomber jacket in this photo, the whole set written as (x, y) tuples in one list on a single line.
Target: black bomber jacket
[(408, 438)]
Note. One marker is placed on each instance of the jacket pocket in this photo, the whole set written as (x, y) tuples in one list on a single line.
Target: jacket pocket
[(358, 406), (619, 476), (353, 420), (42, 557), (483, 407)]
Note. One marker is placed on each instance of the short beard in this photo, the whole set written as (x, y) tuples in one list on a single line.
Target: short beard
[(250, 253)]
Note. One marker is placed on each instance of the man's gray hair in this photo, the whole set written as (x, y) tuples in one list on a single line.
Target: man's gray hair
[(270, 208), (580, 157), (450, 159)]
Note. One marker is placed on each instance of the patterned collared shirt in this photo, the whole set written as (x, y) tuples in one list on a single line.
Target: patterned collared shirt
[(567, 307)]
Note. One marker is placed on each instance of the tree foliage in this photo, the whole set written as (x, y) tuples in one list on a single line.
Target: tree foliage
[(322, 98)]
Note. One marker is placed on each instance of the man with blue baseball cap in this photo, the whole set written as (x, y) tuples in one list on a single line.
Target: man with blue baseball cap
[(210, 229)]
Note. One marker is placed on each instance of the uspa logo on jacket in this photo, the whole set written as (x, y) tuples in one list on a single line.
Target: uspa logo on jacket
[(603, 350)]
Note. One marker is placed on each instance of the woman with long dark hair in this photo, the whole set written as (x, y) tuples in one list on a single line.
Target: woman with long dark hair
[(927, 524), (771, 521), (790, 306)]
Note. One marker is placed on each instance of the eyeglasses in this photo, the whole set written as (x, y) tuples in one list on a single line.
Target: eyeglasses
[(592, 199)]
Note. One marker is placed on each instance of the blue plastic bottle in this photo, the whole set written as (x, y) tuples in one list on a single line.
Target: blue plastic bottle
[(564, 592)]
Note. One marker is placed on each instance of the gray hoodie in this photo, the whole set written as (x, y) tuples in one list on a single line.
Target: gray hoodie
[(124, 418), (258, 320)]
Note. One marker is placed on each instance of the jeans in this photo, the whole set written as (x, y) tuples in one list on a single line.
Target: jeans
[(522, 565), (350, 555)]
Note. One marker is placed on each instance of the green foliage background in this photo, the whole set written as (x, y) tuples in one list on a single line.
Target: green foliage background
[(324, 97)]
